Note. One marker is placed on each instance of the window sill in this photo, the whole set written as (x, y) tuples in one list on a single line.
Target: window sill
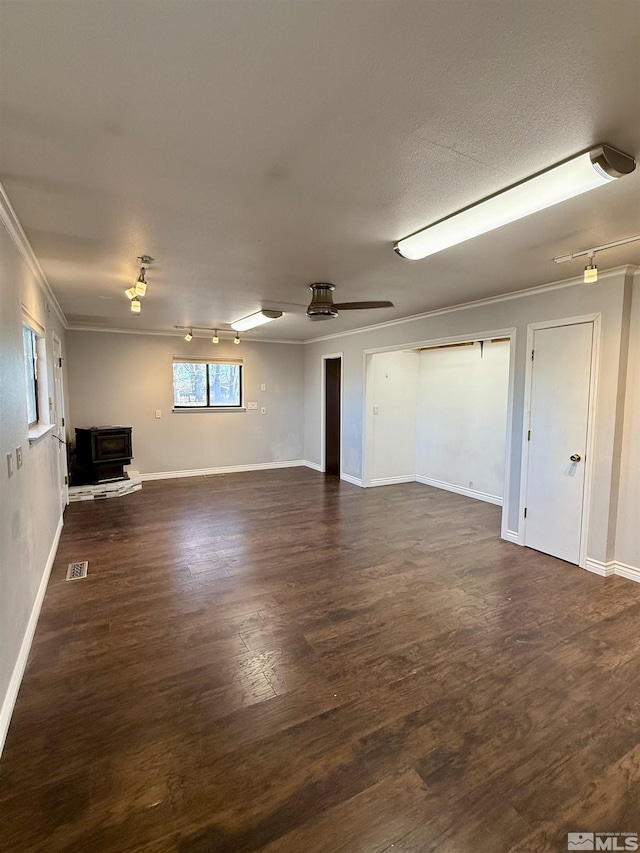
[(38, 432), (190, 411)]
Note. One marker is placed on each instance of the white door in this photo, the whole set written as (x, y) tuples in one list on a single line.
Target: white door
[(58, 387), (560, 388)]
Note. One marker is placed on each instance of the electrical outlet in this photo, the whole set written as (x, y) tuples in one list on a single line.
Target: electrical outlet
[(158, 413), (10, 464), (263, 387), (19, 457), (263, 410), (252, 405)]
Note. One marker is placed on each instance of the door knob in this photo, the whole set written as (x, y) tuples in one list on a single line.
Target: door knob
[(575, 457)]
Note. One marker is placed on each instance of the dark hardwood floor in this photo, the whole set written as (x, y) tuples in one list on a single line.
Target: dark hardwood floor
[(282, 662)]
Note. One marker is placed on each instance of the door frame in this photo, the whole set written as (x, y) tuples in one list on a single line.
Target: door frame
[(323, 406), (596, 320), (60, 415)]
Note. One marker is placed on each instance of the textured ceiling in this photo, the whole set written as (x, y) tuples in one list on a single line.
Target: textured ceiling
[(253, 147)]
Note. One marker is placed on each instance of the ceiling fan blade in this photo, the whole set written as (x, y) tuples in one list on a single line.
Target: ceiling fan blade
[(353, 306)]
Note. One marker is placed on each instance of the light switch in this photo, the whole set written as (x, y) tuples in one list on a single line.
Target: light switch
[(263, 410), (263, 387), (376, 410), (10, 464), (252, 405), (158, 413), (19, 457)]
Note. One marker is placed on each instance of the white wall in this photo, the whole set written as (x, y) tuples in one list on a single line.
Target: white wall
[(628, 528), (606, 298), (30, 508), (394, 377), (122, 379), (462, 417)]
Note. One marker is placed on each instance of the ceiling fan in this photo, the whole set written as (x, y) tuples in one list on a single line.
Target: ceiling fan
[(322, 306)]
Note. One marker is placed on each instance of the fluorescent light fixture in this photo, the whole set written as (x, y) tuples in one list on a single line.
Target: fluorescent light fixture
[(215, 339), (136, 305), (236, 340), (559, 183), (189, 335), (131, 292), (253, 320)]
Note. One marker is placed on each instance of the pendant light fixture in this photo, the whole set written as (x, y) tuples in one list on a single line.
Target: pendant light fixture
[(131, 292), (141, 284), (136, 306), (139, 289), (570, 178)]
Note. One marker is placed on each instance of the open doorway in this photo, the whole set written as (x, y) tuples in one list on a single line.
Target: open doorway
[(332, 414)]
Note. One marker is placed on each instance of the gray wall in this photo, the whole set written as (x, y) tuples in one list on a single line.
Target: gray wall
[(122, 379), (30, 506), (606, 298)]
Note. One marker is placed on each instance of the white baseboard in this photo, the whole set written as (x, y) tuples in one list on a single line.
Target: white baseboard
[(460, 490), (355, 481), (392, 481), (605, 570), (632, 573), (313, 465), (225, 469), (9, 701), (512, 536)]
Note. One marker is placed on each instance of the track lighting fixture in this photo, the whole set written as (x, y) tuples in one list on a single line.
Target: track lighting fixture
[(567, 179), (236, 340), (215, 339), (189, 335), (136, 305), (591, 270)]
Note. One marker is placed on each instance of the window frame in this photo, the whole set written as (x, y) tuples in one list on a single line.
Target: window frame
[(208, 406), (33, 358)]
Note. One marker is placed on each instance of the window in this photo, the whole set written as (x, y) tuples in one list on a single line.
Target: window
[(207, 384), (30, 342)]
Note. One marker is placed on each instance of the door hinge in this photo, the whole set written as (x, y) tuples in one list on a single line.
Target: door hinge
[(60, 362), (532, 354), (66, 480), (62, 421), (525, 512), (529, 435)]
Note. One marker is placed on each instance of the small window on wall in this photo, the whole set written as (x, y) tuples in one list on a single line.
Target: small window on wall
[(207, 384), (30, 342)]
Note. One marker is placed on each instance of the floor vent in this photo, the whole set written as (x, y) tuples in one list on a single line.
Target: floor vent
[(77, 570)]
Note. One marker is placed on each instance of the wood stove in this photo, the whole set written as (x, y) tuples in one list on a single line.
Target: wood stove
[(102, 452)]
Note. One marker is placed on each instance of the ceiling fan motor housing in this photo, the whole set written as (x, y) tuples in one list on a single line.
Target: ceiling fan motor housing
[(322, 307)]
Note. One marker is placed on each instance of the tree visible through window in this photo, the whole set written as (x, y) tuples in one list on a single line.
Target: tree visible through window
[(202, 385), (29, 340)]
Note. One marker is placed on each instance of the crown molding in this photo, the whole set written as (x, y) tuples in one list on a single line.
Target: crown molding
[(14, 229), (627, 269)]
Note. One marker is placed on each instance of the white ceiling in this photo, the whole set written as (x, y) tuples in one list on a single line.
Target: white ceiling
[(256, 146)]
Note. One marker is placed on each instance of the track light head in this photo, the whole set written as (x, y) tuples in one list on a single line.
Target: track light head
[(236, 340), (591, 271), (215, 339), (136, 306), (189, 335)]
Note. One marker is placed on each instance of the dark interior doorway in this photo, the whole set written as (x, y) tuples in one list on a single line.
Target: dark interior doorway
[(332, 371)]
